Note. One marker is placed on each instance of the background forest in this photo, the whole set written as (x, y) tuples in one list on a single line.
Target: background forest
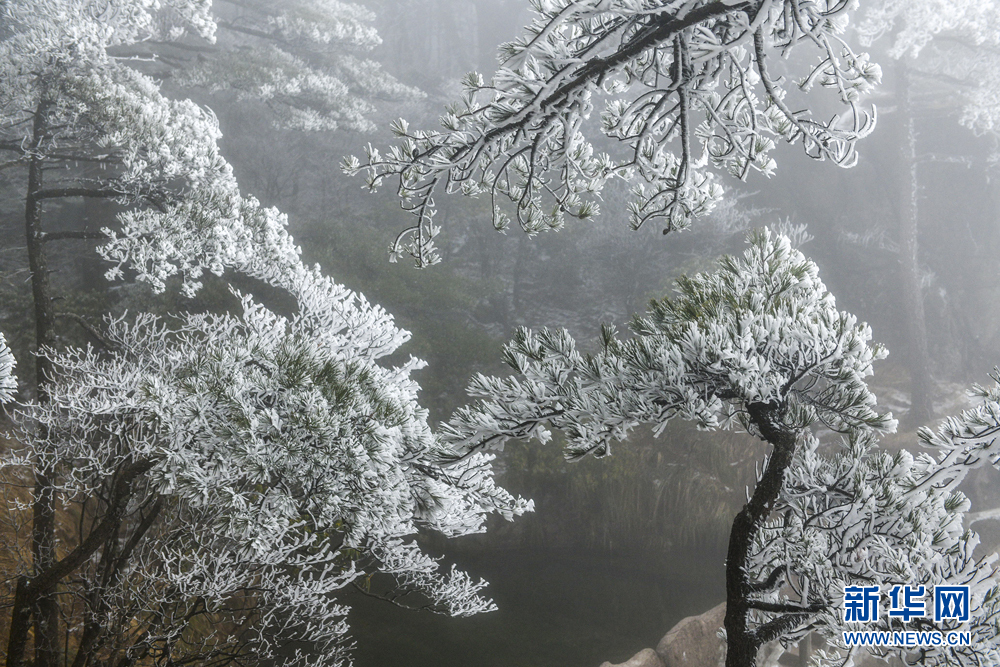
[(618, 549)]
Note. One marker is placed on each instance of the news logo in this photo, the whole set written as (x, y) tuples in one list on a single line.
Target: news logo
[(908, 602), (862, 605), (951, 603)]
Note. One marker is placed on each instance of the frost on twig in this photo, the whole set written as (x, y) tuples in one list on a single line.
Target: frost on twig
[(8, 381), (760, 344), (689, 90), (287, 462)]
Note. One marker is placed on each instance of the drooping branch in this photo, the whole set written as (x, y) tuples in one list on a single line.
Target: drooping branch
[(530, 116)]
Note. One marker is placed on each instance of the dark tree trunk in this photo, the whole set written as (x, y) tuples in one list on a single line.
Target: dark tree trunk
[(104, 535), (20, 624), (742, 642), (921, 408), (45, 609)]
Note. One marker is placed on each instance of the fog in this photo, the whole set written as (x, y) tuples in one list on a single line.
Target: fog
[(622, 547)]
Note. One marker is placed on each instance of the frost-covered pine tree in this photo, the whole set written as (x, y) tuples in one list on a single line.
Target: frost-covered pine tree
[(242, 469), (306, 60), (862, 516), (689, 86), (225, 474), (761, 345)]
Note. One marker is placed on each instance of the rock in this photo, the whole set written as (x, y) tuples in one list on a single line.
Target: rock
[(647, 657), (694, 641), (866, 659)]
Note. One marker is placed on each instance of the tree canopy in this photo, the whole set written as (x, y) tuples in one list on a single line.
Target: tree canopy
[(958, 42), (691, 89), (274, 462), (229, 472), (306, 60), (759, 344)]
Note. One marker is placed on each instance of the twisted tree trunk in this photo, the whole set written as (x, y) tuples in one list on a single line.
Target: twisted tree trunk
[(743, 642)]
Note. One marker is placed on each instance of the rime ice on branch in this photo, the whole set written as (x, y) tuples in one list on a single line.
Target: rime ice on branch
[(760, 344), (8, 381), (305, 59), (287, 464), (232, 472), (690, 87), (760, 331), (859, 517)]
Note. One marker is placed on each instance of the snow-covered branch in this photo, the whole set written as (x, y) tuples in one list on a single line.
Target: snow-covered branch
[(8, 381), (758, 343), (689, 90), (231, 472), (760, 330)]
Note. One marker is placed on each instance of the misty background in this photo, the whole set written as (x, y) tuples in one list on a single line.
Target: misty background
[(618, 549)]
